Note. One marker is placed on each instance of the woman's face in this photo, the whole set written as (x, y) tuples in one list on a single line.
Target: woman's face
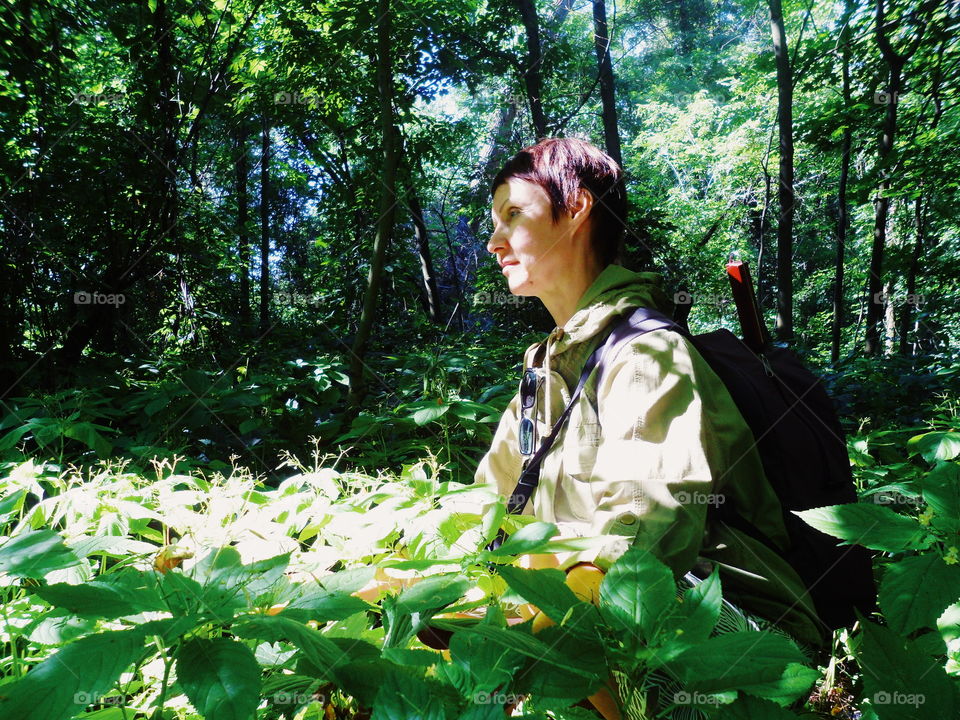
[(533, 251)]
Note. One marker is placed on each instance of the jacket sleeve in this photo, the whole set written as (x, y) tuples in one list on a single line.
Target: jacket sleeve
[(652, 479)]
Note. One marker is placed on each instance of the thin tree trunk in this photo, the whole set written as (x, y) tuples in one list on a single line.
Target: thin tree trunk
[(895, 63), (785, 192), (243, 240), (388, 205), (265, 226), (843, 218), (889, 319), (601, 42), (911, 299), (426, 257), (532, 71)]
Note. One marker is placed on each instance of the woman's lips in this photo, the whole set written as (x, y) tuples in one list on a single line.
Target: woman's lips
[(508, 264)]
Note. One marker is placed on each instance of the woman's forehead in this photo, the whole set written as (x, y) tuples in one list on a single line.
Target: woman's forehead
[(517, 190)]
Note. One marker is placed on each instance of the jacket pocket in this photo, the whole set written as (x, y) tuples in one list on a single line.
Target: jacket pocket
[(581, 443)]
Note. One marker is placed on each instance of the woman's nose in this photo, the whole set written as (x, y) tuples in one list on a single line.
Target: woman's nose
[(496, 241)]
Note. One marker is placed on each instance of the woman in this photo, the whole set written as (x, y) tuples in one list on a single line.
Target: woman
[(645, 453)]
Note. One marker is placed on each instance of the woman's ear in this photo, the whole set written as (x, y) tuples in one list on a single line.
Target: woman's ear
[(581, 206)]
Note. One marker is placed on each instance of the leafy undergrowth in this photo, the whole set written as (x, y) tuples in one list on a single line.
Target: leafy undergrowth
[(185, 596)]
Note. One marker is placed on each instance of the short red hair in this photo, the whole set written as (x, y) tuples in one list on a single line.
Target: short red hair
[(561, 166)]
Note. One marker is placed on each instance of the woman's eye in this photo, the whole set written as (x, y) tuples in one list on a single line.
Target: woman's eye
[(513, 212)]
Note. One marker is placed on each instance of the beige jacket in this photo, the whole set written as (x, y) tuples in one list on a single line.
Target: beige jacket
[(664, 443)]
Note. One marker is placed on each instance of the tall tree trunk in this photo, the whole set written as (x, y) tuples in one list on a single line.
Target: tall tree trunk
[(423, 252), (601, 43), (911, 299), (889, 319), (895, 63), (532, 71), (785, 191), (843, 217), (265, 226), (243, 203), (388, 205)]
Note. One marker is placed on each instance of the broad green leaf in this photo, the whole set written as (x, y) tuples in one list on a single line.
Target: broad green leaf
[(915, 592), (220, 677), (478, 665), (745, 660), (949, 623), (873, 526), (432, 593), (637, 593), (429, 413), (318, 649), (34, 554), (111, 597), (700, 610), (530, 538), (935, 446), (941, 491), (76, 676), (316, 603), (544, 588), (900, 681), (348, 581), (530, 646), (406, 696)]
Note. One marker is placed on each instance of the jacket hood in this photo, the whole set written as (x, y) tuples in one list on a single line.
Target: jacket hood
[(615, 292)]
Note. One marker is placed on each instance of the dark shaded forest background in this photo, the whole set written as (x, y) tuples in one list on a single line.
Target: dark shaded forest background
[(229, 227)]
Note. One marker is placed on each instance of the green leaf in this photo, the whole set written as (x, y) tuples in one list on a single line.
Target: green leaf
[(113, 596), (900, 681), (529, 538), (220, 677), (35, 553), (636, 594), (76, 676), (935, 445), (429, 413), (478, 665), (544, 588), (751, 661), (316, 603), (873, 526), (406, 696), (519, 641), (700, 610), (941, 491), (915, 591), (316, 648)]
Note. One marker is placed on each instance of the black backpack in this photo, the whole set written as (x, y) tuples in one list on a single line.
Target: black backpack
[(801, 446)]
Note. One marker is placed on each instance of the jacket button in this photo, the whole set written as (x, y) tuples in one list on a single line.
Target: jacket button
[(626, 518)]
